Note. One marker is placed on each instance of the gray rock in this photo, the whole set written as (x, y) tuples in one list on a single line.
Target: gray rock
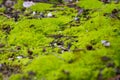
[(117, 1), (9, 4), (105, 43), (28, 4)]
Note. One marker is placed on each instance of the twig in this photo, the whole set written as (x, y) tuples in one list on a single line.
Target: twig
[(59, 36), (5, 15)]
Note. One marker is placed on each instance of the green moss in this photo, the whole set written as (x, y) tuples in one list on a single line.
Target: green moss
[(40, 7), (16, 77), (31, 37), (44, 65), (2, 9), (19, 5), (1, 77), (93, 4)]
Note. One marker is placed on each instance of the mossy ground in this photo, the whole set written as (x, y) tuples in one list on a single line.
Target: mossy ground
[(30, 37)]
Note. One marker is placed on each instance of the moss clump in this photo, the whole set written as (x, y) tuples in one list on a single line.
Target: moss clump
[(60, 47), (41, 7)]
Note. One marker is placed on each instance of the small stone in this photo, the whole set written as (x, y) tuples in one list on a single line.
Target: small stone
[(105, 58), (11, 59), (117, 1), (67, 1), (28, 4), (42, 15), (33, 13), (106, 1), (49, 15), (19, 57), (76, 19), (109, 1), (105, 43), (9, 3)]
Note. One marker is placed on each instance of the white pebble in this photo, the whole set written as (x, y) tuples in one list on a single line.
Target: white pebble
[(34, 13), (49, 14), (19, 57), (28, 4), (10, 58), (105, 43), (76, 19)]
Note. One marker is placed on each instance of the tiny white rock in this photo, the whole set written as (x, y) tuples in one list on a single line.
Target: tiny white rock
[(19, 57), (49, 14), (10, 58), (27, 4), (34, 13), (76, 18), (41, 13), (105, 43)]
